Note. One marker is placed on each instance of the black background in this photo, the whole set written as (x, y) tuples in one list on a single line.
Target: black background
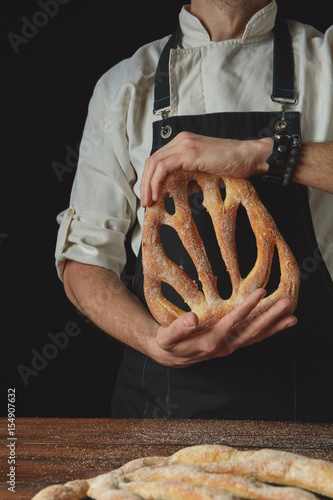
[(47, 84)]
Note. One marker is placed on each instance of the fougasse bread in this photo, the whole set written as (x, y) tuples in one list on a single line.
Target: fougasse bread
[(206, 472), (207, 304)]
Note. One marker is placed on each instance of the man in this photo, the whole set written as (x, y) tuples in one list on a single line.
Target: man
[(221, 64)]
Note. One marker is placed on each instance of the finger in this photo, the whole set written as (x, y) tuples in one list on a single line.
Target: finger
[(154, 162), (168, 337), (283, 323), (238, 315), (267, 324), (145, 187), (261, 332), (206, 343), (165, 160), (162, 170)]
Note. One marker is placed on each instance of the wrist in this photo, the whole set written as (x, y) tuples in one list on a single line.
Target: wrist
[(264, 149)]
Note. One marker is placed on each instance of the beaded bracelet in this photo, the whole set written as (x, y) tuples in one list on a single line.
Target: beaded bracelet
[(295, 151), (283, 160)]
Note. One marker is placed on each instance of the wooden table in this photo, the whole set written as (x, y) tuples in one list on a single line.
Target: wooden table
[(49, 451)]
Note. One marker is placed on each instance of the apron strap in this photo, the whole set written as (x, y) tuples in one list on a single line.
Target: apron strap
[(283, 68), (162, 87), (283, 64)]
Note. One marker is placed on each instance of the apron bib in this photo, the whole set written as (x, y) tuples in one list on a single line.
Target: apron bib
[(286, 377)]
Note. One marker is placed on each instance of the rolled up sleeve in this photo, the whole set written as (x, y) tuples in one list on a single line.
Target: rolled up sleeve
[(102, 204)]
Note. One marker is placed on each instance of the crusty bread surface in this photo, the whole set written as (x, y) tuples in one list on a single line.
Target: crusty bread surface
[(206, 472), (207, 304)]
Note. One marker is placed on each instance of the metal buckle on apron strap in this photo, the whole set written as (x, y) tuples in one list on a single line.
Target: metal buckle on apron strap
[(286, 149), (166, 130), (281, 124)]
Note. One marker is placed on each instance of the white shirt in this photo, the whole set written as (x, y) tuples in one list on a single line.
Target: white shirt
[(205, 77)]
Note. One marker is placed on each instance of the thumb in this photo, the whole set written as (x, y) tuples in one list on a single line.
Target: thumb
[(168, 337)]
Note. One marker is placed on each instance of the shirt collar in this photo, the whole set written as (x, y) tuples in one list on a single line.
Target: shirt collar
[(194, 33)]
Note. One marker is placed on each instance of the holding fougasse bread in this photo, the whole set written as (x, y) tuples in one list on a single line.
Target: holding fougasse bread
[(208, 304)]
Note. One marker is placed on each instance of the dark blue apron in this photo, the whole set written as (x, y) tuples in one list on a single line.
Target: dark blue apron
[(286, 377)]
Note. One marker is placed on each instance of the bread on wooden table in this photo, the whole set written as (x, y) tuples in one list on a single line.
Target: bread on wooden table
[(213, 472)]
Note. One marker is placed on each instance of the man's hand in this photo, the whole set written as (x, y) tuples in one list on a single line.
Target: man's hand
[(192, 152), (107, 302), (180, 345), (232, 158)]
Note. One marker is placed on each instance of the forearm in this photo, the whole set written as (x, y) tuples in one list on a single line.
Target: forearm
[(233, 158), (315, 166), (103, 298)]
